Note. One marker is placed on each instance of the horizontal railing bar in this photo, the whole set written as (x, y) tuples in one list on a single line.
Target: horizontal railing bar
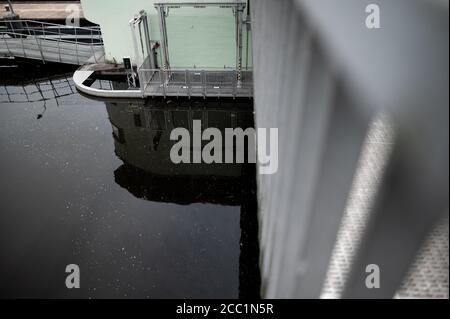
[(50, 24), (82, 49), (50, 40), (43, 35), (46, 31)]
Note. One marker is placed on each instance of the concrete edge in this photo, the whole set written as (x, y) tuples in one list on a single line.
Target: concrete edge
[(80, 76)]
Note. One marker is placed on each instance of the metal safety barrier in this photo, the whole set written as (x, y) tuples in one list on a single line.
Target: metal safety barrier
[(50, 42), (195, 83)]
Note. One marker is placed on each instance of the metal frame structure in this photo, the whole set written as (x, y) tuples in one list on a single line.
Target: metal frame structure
[(140, 22), (202, 83), (163, 12), (237, 8), (195, 83)]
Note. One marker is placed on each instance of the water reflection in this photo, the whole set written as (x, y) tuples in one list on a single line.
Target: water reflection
[(141, 131), (95, 186), (142, 141), (22, 82)]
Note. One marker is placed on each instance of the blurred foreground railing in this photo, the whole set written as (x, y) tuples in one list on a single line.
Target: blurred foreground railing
[(322, 90)]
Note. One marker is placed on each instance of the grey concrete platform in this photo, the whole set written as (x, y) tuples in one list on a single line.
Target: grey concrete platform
[(196, 83)]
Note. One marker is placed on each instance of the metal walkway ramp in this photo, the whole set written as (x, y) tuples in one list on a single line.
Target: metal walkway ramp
[(50, 42)]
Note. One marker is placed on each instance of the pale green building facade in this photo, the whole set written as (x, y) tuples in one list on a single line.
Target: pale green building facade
[(198, 37)]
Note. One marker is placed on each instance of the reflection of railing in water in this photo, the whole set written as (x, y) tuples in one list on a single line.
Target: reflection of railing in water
[(51, 88), (199, 83), (143, 128), (50, 42)]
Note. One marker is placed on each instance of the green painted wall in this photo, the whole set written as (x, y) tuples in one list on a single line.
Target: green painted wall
[(204, 38)]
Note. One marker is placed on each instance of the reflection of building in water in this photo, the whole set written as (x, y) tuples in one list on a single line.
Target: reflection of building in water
[(141, 132), (142, 140)]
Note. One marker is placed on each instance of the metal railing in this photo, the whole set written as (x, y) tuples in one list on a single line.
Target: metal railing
[(196, 83), (50, 42)]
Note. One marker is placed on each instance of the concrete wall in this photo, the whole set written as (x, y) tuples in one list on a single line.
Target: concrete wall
[(204, 38)]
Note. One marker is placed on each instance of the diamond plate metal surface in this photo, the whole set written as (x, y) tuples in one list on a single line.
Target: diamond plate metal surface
[(429, 274)]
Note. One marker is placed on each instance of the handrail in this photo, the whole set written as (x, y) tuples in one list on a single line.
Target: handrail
[(57, 32), (58, 40), (45, 46), (22, 27), (51, 24)]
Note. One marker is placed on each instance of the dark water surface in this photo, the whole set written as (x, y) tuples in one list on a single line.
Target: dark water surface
[(91, 183)]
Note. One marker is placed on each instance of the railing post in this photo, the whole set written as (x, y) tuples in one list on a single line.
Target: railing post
[(203, 83), (234, 83), (141, 75), (162, 76), (6, 43), (188, 84), (144, 80), (21, 39), (164, 41), (76, 45), (7, 93), (59, 43), (92, 46), (239, 8), (37, 42), (147, 40)]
